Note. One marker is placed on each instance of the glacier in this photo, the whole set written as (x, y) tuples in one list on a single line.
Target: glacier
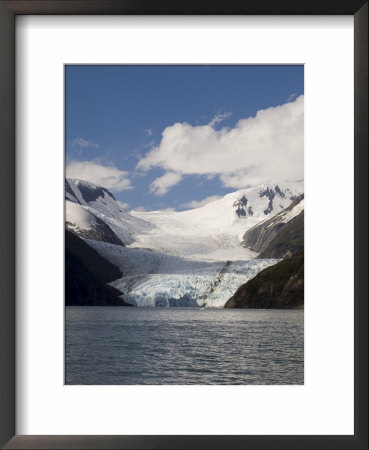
[(186, 258), (158, 279)]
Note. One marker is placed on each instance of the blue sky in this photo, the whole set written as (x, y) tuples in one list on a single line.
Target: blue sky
[(171, 136)]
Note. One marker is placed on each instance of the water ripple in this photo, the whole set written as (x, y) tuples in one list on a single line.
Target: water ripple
[(107, 345)]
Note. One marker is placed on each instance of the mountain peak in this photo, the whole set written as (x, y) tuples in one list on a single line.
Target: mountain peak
[(85, 192), (92, 212), (259, 201)]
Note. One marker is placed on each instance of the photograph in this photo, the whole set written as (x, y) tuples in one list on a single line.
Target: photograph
[(184, 224)]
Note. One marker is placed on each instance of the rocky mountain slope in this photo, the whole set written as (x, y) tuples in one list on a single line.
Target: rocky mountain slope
[(289, 241), (280, 286), (290, 221)]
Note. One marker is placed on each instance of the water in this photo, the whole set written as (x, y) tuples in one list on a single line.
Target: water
[(117, 345)]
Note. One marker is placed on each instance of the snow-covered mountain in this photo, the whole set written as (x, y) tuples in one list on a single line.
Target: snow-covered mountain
[(187, 258), (92, 212), (83, 222), (214, 232)]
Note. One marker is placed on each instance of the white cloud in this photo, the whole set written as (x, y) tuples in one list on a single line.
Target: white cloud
[(148, 131), (199, 203), (167, 210), (291, 97), (267, 147), (161, 185), (106, 176), (219, 117), (143, 209), (123, 205), (149, 144), (84, 143)]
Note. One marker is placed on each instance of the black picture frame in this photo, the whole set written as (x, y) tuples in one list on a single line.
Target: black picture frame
[(8, 12)]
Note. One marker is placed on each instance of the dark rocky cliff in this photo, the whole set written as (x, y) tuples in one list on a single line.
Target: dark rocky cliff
[(262, 234), (87, 274), (280, 286), (288, 241)]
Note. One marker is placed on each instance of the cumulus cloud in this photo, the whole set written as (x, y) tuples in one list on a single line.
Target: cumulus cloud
[(199, 203), (106, 176), (161, 185), (84, 143), (148, 131), (267, 147)]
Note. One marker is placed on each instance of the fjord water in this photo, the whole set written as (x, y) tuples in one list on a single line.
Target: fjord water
[(115, 345)]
